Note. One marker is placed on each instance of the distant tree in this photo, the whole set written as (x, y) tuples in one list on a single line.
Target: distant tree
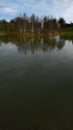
[(32, 21), (34, 24), (45, 24), (61, 24), (25, 22), (3, 25), (54, 24), (37, 25), (18, 23)]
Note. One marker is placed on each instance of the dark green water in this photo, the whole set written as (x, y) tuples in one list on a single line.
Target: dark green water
[(36, 83)]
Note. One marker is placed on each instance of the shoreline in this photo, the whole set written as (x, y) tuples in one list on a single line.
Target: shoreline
[(28, 34)]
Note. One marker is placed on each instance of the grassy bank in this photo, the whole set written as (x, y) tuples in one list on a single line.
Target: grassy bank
[(67, 35), (28, 34), (2, 34)]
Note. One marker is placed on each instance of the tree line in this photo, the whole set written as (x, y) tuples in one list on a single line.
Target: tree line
[(33, 24)]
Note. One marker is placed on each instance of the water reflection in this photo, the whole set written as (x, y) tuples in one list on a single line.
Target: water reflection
[(36, 90), (34, 44)]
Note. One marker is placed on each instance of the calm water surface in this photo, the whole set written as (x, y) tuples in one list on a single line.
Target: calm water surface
[(36, 82)]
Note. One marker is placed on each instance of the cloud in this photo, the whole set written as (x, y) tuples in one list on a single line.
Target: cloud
[(57, 8), (63, 9), (8, 8), (8, 11), (40, 8), (68, 13)]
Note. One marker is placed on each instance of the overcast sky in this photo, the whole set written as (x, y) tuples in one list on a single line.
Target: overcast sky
[(57, 8)]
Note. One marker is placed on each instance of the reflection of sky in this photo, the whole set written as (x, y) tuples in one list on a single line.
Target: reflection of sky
[(7, 50), (58, 8), (8, 46), (68, 50)]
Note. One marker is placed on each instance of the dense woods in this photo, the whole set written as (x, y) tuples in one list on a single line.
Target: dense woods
[(33, 24)]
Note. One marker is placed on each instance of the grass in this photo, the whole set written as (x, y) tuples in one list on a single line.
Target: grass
[(29, 34), (67, 34), (26, 34), (69, 30), (2, 34)]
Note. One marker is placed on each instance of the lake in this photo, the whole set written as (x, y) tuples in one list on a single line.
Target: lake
[(36, 83)]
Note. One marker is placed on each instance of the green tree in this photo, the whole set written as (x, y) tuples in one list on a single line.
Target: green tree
[(61, 24)]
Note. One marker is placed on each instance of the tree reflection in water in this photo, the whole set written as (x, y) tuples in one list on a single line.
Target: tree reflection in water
[(35, 44)]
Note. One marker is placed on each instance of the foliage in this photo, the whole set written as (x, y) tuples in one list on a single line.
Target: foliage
[(67, 35), (32, 24)]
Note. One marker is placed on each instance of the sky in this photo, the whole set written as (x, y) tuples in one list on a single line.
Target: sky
[(9, 9)]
